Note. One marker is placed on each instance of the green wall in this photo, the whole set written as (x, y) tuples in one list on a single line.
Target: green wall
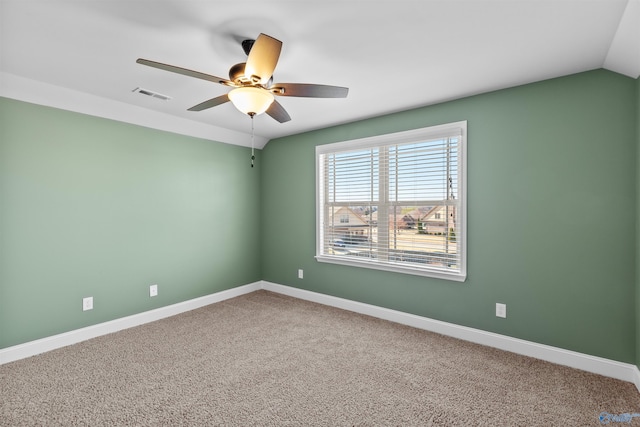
[(551, 215), (90, 206), (93, 207)]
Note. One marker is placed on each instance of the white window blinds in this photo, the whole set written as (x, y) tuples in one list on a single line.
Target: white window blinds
[(395, 202)]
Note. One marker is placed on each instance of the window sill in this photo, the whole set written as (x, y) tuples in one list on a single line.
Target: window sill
[(395, 268)]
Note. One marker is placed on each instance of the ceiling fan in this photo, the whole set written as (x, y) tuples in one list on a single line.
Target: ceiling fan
[(253, 90)]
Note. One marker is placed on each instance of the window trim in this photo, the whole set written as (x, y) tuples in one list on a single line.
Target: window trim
[(414, 135)]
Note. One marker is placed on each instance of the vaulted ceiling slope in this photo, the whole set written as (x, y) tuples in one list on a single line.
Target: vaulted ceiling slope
[(393, 55)]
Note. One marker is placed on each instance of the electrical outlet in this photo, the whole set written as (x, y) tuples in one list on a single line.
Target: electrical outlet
[(300, 273), (501, 310), (153, 290), (87, 303)]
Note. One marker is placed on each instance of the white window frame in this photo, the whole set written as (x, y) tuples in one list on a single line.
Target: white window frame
[(416, 135)]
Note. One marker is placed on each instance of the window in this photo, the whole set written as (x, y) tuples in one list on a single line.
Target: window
[(404, 198)]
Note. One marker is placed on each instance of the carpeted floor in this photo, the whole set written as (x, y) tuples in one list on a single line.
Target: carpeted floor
[(269, 360)]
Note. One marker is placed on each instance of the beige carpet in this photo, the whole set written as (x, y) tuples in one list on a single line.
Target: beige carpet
[(269, 360)]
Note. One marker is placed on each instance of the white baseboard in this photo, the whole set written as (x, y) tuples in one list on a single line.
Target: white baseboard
[(598, 365), (32, 348), (585, 362), (636, 377)]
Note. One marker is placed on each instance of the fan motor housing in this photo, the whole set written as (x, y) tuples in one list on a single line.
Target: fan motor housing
[(236, 73)]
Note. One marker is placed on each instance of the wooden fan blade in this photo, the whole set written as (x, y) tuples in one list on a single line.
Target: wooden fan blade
[(262, 59), (210, 103), (307, 90), (277, 111), (185, 71)]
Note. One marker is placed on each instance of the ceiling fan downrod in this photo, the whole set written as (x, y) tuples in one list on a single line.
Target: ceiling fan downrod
[(247, 45)]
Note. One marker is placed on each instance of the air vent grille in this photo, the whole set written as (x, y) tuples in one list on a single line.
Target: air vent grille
[(151, 94)]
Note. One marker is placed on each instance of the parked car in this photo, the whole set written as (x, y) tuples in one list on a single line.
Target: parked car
[(338, 243)]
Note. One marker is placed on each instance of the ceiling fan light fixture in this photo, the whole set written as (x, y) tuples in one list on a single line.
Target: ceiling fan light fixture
[(252, 81), (251, 100)]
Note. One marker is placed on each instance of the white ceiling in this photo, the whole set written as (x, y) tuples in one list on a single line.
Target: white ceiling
[(393, 55)]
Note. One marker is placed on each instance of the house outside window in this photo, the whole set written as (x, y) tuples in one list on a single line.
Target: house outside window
[(403, 196)]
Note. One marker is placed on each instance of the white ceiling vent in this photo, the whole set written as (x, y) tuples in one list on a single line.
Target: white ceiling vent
[(152, 94)]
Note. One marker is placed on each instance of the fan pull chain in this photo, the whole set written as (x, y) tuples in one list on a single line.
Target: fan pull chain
[(253, 157)]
